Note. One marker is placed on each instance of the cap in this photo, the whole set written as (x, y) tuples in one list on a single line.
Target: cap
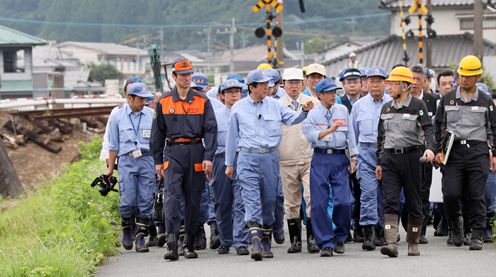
[(230, 83), (139, 89), (363, 71), (257, 76), (350, 74), (316, 68), (200, 79), (274, 75), (196, 87), (237, 77), (325, 85), (182, 66), (292, 74), (133, 79), (377, 71)]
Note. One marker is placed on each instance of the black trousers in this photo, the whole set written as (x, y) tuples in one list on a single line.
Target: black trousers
[(464, 177), (357, 192), (183, 176), (402, 171)]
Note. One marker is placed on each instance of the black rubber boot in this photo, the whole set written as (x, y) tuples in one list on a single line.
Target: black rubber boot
[(266, 241), (423, 239), (152, 238), (357, 233), (368, 237), (162, 238), (127, 233), (379, 236), (255, 237), (311, 243), (476, 239), (441, 228), (200, 238), (189, 247), (390, 234), (172, 252), (457, 231), (214, 236), (180, 243), (294, 227), (142, 225), (488, 231)]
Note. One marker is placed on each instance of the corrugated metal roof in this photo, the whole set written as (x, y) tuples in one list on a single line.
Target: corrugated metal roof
[(105, 48), (11, 37), (434, 3), (446, 50)]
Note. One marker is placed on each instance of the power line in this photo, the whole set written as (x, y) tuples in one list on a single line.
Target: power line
[(175, 26)]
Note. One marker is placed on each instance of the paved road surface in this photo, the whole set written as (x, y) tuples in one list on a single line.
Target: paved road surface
[(437, 259)]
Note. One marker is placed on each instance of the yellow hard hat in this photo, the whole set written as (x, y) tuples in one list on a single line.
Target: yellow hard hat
[(470, 66), (400, 74), (264, 66)]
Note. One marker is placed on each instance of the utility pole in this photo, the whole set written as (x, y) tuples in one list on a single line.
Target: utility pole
[(428, 41), (230, 31), (478, 31), (161, 42), (279, 43)]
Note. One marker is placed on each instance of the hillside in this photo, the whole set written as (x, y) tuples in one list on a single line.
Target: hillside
[(184, 23)]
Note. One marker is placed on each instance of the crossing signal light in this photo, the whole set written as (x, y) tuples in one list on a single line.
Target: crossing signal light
[(260, 32), (277, 32)]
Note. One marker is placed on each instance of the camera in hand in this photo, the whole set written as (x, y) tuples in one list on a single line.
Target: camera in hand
[(105, 184)]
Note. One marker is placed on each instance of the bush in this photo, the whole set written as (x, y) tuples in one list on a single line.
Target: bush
[(64, 229)]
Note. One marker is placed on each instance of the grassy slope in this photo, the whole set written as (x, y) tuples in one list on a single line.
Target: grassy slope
[(63, 229)]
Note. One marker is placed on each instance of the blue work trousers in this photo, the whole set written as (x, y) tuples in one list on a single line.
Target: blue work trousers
[(137, 185), (330, 169), (371, 196), (258, 176), (229, 208)]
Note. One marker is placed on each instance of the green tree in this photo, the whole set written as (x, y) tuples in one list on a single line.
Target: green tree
[(100, 73)]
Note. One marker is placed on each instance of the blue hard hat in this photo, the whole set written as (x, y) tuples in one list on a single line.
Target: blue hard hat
[(377, 72), (139, 89), (230, 83), (257, 76), (350, 73), (200, 79), (327, 84), (236, 77), (244, 91)]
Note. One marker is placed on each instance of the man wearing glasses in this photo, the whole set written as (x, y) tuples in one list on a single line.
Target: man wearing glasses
[(295, 156)]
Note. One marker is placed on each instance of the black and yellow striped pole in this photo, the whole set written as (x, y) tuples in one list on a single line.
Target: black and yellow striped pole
[(268, 31), (421, 10), (403, 35)]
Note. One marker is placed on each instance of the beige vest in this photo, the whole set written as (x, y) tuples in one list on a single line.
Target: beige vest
[(294, 147)]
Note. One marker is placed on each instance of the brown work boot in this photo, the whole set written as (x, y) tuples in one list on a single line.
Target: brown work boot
[(390, 232), (413, 235)]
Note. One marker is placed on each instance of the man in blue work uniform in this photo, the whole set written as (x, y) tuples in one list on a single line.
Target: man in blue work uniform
[(327, 128), (229, 209), (185, 121), (364, 119), (129, 140), (255, 130), (351, 80), (404, 129)]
